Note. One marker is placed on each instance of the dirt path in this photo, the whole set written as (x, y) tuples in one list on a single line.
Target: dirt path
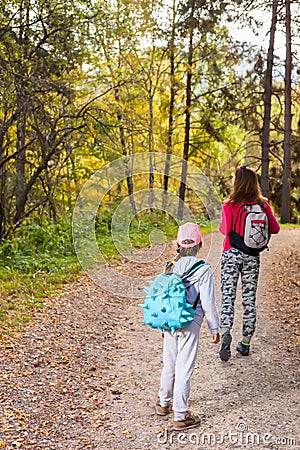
[(85, 374)]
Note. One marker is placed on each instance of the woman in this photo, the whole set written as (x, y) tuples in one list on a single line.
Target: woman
[(245, 191)]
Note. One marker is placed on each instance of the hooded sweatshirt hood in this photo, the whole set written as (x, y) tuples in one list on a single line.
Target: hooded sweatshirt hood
[(184, 264)]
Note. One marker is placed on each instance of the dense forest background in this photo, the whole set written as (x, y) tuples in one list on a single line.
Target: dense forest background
[(86, 82)]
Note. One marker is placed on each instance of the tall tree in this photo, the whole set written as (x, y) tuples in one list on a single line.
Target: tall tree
[(267, 104), (40, 51), (200, 18), (191, 24), (286, 179), (171, 55), (21, 101)]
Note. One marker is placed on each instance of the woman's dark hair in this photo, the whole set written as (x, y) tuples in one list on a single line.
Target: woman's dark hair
[(246, 187)]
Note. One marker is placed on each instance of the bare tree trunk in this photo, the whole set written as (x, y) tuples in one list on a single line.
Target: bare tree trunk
[(20, 167), (187, 114), (21, 121), (286, 179), (2, 187), (171, 105), (69, 163), (267, 105), (69, 190), (2, 220), (50, 197), (2, 183), (124, 151), (129, 180), (150, 146)]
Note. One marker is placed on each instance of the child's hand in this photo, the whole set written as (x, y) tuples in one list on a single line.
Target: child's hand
[(215, 338)]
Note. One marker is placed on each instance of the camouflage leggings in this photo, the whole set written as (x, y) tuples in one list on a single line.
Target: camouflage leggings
[(234, 262)]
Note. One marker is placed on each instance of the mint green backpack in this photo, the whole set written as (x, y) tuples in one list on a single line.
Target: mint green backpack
[(166, 307)]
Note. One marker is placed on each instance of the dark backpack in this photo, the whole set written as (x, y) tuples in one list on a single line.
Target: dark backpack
[(250, 231), (166, 307)]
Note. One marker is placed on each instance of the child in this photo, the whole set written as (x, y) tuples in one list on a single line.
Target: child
[(180, 349), (234, 262)]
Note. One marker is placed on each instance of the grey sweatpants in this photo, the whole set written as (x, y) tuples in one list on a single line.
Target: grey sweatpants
[(179, 356), (234, 262)]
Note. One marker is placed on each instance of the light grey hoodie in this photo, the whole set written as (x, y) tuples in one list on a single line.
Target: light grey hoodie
[(201, 281)]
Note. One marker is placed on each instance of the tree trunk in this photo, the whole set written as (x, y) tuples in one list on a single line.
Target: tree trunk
[(2, 184), (129, 180), (123, 140), (69, 165), (171, 105), (21, 121), (150, 146), (2, 220), (50, 197), (187, 114), (267, 105), (286, 179), (20, 167)]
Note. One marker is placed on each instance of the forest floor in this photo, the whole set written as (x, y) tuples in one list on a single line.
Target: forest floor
[(84, 373)]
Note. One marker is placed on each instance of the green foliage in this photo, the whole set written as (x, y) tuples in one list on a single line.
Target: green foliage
[(138, 230), (24, 293), (34, 265), (38, 248), (148, 228), (149, 222), (289, 225)]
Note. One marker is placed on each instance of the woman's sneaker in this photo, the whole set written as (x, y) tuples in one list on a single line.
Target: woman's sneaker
[(243, 348), (190, 421), (225, 352), (162, 410)]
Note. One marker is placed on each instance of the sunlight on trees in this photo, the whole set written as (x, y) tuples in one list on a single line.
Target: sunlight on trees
[(85, 82)]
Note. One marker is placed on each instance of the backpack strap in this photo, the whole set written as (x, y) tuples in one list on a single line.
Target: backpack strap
[(189, 272), (196, 301), (236, 226), (193, 269)]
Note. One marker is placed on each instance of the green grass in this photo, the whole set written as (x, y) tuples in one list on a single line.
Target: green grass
[(24, 293), (35, 264), (148, 224), (289, 225)]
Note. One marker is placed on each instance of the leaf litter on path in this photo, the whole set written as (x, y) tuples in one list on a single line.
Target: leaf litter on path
[(85, 373)]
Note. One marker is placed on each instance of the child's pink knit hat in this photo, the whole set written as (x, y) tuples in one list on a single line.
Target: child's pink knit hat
[(189, 231)]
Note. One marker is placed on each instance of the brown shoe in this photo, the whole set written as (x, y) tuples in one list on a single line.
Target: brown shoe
[(162, 410), (190, 421)]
